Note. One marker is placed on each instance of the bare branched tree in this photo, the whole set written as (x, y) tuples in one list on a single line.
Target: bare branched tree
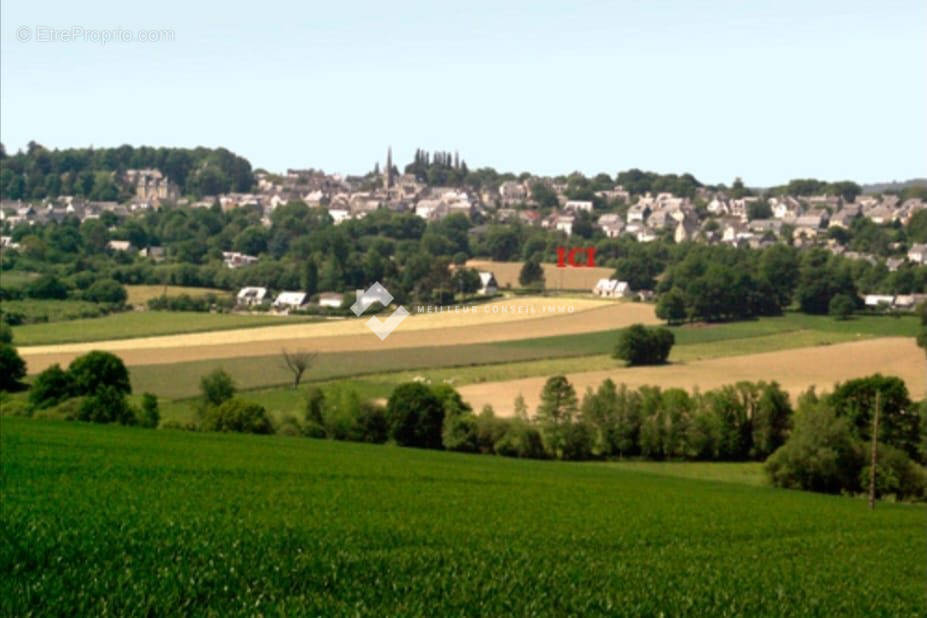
[(298, 361)]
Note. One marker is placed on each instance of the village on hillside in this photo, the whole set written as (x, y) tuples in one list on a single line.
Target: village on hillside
[(709, 215)]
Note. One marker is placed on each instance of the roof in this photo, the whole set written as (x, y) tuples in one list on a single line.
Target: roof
[(252, 292), (290, 298)]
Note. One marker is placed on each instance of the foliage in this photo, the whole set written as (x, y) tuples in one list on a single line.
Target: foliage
[(640, 345), (899, 419), (237, 415), (50, 387), (672, 306), (96, 370), (107, 404), (841, 306), (12, 368), (531, 275), (149, 415), (415, 416), (820, 455), (217, 387), (106, 291)]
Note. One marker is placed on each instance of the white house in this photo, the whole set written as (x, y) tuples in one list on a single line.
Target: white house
[(488, 284), (331, 299), (874, 300), (233, 259), (290, 300), (564, 223), (120, 245), (575, 205), (612, 288), (918, 254), (251, 296), (339, 215)]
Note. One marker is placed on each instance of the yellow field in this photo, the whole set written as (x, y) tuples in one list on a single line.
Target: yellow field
[(554, 278), (795, 370), (503, 320), (139, 295)]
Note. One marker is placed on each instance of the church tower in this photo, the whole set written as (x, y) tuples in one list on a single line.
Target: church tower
[(388, 172)]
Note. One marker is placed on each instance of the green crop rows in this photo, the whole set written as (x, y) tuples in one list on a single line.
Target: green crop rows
[(100, 520)]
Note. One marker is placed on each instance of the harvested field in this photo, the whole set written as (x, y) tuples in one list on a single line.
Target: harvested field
[(795, 370), (505, 320), (555, 278), (140, 294)]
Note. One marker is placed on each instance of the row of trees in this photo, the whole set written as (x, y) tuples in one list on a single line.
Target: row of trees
[(829, 448), (97, 174), (94, 388)]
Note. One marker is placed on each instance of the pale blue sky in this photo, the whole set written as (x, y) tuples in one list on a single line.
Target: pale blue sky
[(764, 90)]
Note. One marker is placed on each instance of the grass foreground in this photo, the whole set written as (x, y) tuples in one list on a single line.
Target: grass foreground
[(102, 520)]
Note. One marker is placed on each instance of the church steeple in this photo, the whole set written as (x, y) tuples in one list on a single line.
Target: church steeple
[(388, 172)]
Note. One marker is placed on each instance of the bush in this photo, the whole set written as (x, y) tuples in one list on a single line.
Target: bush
[(577, 443), (639, 345), (67, 410), (371, 422), (6, 333), (50, 387), (520, 440), (289, 426), (415, 416), (149, 415), (841, 307), (820, 455), (237, 415), (12, 368), (106, 291), (47, 286), (460, 433), (96, 370), (107, 405), (897, 475), (217, 387)]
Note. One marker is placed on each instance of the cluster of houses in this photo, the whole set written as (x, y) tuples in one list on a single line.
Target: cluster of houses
[(719, 218), (287, 301)]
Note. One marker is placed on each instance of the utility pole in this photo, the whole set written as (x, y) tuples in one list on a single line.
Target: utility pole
[(875, 451)]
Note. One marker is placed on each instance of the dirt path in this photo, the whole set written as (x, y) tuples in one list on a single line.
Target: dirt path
[(519, 318), (795, 370)]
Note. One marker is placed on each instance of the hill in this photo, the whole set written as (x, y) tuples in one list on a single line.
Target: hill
[(111, 520)]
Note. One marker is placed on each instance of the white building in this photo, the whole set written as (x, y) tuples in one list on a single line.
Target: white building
[(290, 300), (612, 288), (251, 296), (488, 284)]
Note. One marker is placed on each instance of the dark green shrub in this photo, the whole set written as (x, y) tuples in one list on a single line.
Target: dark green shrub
[(896, 475), (820, 455), (96, 370), (217, 387), (106, 291), (51, 387), (639, 345), (106, 405), (460, 433), (415, 416), (12, 368), (520, 440), (237, 415), (149, 415)]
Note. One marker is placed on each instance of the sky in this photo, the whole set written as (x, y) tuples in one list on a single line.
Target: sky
[(762, 90)]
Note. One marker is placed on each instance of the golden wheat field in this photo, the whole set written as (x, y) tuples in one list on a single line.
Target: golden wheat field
[(554, 278), (504, 320), (795, 370)]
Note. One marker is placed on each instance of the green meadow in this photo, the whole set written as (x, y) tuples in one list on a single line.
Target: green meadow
[(129, 324), (107, 520)]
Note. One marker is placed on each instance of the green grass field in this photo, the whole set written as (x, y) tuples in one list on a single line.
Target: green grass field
[(102, 520), (40, 311), (131, 324)]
